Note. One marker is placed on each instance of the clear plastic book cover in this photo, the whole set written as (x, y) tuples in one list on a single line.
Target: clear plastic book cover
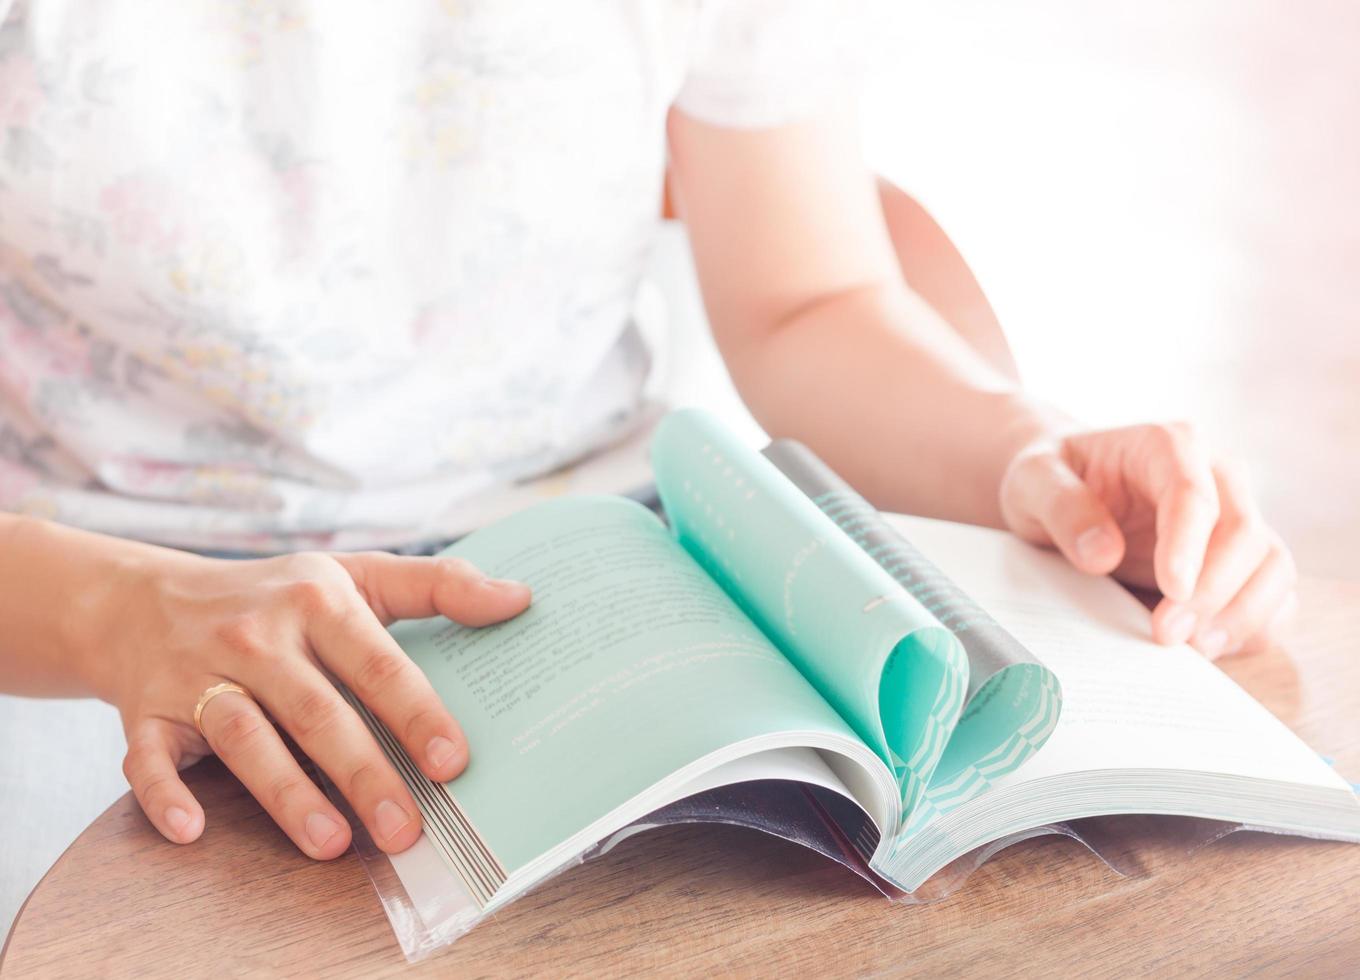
[(436, 909)]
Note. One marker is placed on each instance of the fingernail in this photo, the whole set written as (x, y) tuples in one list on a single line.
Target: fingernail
[(1214, 643), (320, 829), (440, 751), (502, 583), (178, 819), (1179, 624), (391, 819), (1093, 545)]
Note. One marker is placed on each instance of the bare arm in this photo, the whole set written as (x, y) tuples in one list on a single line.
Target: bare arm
[(823, 336), (49, 585), (828, 343), (933, 267)]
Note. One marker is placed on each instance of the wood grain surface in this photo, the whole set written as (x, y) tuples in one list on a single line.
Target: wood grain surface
[(705, 900)]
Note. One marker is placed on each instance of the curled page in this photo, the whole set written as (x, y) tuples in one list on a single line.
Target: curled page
[(870, 649), (1013, 700)]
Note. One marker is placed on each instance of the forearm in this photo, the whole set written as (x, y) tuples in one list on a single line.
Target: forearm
[(57, 588), (824, 338), (932, 266), (889, 395)]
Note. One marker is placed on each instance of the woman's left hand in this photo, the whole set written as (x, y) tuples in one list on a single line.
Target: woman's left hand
[(1147, 504)]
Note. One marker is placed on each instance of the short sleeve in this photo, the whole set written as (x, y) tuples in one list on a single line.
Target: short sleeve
[(763, 63)]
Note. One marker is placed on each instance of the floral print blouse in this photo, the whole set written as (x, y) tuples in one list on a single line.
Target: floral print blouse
[(302, 273)]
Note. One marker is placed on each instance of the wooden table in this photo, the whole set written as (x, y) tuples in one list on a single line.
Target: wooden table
[(702, 900)]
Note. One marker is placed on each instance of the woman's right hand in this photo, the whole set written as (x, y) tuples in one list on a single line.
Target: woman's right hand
[(174, 625)]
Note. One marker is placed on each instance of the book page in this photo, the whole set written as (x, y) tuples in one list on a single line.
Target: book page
[(630, 665), (1013, 700), (1128, 702), (873, 651)]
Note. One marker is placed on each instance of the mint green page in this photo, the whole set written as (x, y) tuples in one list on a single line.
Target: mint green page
[(1003, 726), (630, 664), (886, 665), (1015, 701)]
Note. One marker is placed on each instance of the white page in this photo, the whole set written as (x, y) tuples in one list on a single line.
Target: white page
[(1128, 703)]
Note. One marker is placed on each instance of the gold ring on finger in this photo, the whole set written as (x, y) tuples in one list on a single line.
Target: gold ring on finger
[(211, 693)]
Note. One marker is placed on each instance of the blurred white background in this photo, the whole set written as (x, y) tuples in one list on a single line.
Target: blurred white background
[(1162, 201)]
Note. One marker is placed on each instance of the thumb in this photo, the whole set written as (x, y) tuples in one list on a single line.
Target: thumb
[(1045, 502), (399, 587)]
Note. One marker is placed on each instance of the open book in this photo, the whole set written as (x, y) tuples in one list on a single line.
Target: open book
[(909, 690)]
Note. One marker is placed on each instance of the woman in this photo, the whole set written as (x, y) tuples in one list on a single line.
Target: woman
[(286, 277)]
